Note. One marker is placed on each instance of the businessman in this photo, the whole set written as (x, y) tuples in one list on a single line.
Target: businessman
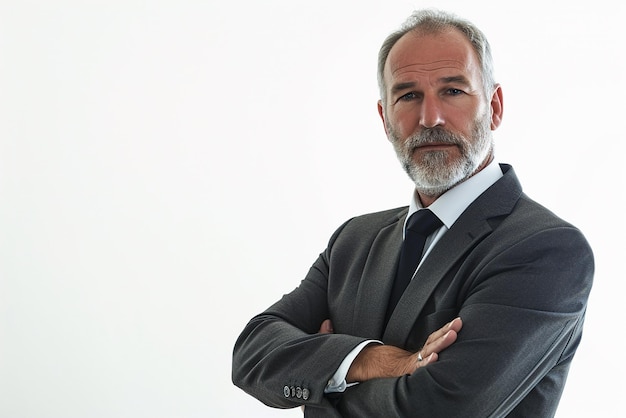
[(469, 302)]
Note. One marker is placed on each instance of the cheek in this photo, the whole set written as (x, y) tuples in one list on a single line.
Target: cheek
[(403, 122)]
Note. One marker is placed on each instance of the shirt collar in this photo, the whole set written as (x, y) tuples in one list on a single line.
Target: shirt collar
[(450, 205)]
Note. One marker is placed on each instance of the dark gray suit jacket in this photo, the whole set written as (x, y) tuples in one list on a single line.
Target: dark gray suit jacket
[(517, 275)]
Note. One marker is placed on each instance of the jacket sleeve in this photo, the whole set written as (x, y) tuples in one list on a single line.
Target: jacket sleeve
[(522, 309), (280, 359)]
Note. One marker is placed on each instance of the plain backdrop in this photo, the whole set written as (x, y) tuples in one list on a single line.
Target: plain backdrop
[(168, 169)]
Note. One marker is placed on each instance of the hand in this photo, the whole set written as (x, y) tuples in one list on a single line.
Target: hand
[(440, 340), (326, 327), (388, 361)]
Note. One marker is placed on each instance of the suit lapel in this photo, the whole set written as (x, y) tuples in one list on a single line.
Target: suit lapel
[(471, 227), (443, 256), (377, 279)]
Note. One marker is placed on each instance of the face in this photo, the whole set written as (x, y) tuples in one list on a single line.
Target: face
[(436, 112)]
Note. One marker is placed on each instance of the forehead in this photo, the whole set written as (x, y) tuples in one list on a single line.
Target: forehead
[(418, 53)]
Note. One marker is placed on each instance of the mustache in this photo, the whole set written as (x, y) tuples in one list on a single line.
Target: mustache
[(433, 136)]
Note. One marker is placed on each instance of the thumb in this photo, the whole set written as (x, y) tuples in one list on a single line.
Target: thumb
[(326, 327)]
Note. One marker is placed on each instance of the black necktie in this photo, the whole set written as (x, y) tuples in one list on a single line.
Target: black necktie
[(419, 226)]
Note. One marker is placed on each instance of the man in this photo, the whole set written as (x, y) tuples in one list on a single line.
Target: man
[(493, 314)]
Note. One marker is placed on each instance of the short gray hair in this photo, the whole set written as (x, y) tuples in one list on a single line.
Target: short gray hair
[(431, 21)]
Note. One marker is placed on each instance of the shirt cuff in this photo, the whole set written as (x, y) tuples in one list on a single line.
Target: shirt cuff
[(337, 383)]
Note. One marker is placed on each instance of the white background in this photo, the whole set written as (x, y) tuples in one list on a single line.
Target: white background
[(168, 169)]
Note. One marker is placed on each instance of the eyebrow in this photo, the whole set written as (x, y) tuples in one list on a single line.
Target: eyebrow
[(455, 79), (403, 86), (443, 80)]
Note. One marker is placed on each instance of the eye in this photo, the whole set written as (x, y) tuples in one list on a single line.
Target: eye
[(408, 97), (454, 92)]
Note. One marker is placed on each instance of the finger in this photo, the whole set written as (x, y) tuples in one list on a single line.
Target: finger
[(433, 357), (442, 338), (326, 327), (440, 344), (455, 325)]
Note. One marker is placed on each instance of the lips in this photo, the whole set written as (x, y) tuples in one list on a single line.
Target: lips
[(434, 146)]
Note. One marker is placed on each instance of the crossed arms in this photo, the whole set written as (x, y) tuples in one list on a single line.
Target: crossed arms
[(378, 361), (522, 309)]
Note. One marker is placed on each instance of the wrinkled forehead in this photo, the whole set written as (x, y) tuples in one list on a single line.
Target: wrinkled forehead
[(443, 66), (422, 53)]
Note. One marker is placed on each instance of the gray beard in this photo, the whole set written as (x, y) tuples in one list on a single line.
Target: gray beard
[(435, 173)]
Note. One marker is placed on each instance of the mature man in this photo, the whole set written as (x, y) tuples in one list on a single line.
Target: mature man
[(487, 323)]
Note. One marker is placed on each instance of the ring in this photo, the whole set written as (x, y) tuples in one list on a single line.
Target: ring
[(419, 356)]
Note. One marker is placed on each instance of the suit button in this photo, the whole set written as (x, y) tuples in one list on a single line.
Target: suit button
[(286, 391), (299, 392), (305, 394), (293, 391)]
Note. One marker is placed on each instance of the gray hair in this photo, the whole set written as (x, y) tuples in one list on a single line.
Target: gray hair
[(431, 21)]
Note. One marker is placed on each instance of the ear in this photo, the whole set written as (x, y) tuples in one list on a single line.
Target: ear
[(381, 113), (497, 107)]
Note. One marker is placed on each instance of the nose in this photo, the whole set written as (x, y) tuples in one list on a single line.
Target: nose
[(430, 113)]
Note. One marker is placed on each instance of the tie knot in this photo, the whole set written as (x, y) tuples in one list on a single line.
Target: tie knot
[(423, 222)]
